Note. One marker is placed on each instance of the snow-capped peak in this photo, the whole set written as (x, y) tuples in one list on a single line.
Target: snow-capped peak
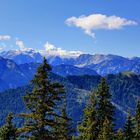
[(12, 53), (22, 56)]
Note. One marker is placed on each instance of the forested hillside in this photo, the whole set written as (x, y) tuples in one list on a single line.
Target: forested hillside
[(125, 90)]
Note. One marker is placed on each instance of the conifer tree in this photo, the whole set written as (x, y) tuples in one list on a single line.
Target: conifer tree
[(120, 134), (106, 131), (128, 128), (88, 128), (137, 122), (98, 115), (42, 104), (8, 130), (105, 108)]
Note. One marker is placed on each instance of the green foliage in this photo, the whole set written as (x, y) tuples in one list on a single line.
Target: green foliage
[(98, 115), (128, 128), (106, 131), (8, 131), (43, 106), (105, 107), (137, 122), (119, 135), (65, 130), (88, 128)]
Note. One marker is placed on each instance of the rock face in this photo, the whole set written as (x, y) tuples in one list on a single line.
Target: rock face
[(108, 64)]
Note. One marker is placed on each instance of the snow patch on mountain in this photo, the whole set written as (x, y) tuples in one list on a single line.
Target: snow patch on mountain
[(22, 56)]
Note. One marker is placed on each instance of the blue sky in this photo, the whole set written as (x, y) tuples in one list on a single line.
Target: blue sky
[(36, 22)]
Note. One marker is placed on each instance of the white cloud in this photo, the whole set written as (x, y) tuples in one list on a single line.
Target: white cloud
[(98, 21), (51, 50), (49, 47), (20, 44), (5, 37)]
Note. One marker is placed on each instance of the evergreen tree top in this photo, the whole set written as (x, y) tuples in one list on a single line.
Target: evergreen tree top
[(43, 104)]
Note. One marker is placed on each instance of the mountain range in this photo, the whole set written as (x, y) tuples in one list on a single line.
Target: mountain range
[(101, 64), (14, 75)]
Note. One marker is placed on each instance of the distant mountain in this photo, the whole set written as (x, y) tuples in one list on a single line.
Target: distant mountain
[(136, 59), (88, 59), (30, 55), (67, 70), (102, 64), (108, 64), (115, 66), (21, 57), (57, 60), (63, 70), (3, 85), (13, 75)]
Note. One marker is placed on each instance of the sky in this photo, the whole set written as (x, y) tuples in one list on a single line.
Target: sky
[(90, 26)]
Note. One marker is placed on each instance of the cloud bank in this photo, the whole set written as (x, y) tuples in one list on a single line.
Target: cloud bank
[(50, 49), (98, 21)]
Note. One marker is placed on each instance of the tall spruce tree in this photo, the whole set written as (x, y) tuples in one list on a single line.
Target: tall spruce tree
[(105, 108), (98, 115), (8, 131), (42, 104), (88, 128), (128, 128), (137, 122)]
